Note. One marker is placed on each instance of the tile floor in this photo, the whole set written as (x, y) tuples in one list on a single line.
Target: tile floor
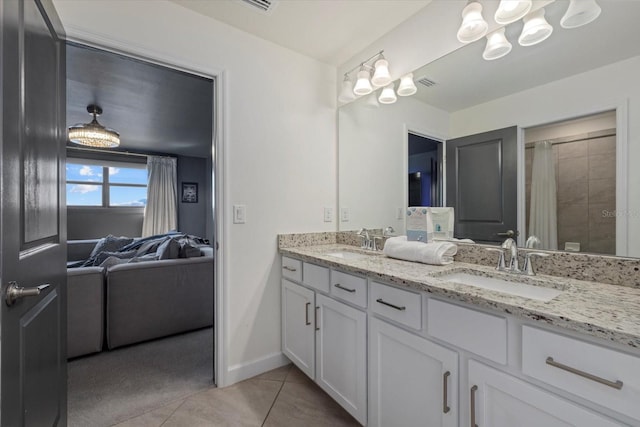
[(284, 397)]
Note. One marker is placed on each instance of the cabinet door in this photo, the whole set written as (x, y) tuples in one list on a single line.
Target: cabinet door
[(298, 337), (500, 400), (341, 358), (412, 381)]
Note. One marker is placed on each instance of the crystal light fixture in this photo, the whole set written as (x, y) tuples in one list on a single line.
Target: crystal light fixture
[(94, 134)]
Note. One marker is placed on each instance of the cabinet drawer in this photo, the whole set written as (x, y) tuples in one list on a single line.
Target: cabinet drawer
[(477, 332), (397, 304), (315, 276), (349, 288), (607, 377), (292, 268)]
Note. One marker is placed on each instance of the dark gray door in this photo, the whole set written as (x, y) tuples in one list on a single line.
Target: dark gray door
[(482, 184), (33, 218)]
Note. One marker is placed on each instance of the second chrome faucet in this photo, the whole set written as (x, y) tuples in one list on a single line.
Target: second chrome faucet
[(514, 267)]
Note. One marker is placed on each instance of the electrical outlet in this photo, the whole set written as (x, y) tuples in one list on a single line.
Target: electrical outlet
[(239, 214), (344, 214), (328, 214), (399, 213)]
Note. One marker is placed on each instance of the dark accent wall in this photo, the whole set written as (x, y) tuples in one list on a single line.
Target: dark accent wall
[(192, 217), (93, 223)]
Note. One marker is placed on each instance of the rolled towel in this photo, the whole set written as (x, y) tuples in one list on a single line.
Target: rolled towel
[(436, 253)]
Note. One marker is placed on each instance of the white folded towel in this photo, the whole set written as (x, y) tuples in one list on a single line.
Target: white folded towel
[(436, 253)]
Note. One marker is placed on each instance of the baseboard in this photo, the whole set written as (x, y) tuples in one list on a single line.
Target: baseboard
[(243, 371)]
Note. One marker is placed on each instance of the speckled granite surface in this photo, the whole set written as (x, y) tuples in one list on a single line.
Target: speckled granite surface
[(601, 310)]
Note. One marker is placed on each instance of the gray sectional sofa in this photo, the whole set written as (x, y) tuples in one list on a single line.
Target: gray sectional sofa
[(132, 302)]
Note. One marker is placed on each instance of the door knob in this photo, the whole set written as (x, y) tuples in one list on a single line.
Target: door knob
[(509, 233), (15, 292)]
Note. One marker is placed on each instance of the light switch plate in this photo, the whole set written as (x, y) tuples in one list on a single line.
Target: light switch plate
[(328, 214), (399, 213), (239, 214), (344, 214)]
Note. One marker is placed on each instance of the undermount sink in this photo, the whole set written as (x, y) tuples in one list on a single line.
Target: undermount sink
[(347, 255), (526, 287)]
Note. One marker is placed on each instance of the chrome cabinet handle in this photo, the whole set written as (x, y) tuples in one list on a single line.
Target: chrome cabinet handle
[(339, 286), (315, 318), (397, 307), (473, 406), (445, 392), (15, 292), (617, 384), (306, 313), (286, 267), (509, 233)]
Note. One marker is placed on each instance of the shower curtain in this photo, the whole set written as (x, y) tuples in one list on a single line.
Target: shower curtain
[(543, 214)]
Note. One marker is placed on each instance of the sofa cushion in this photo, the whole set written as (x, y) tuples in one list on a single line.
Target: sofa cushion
[(102, 256), (110, 244)]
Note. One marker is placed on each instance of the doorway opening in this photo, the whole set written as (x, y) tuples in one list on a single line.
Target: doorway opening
[(425, 163), (157, 114), (570, 184)]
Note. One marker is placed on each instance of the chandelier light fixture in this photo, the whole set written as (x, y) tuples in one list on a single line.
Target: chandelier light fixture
[(93, 134), (580, 13), (473, 26)]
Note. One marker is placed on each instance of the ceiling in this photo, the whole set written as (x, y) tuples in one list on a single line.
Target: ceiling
[(464, 79), (331, 31), (155, 109)]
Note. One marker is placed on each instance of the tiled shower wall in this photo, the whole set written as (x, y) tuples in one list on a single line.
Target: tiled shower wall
[(586, 190)]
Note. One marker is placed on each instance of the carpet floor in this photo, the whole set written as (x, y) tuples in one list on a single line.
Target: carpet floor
[(113, 386)]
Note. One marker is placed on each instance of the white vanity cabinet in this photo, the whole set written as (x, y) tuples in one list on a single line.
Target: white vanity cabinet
[(497, 399), (412, 381), (325, 338)]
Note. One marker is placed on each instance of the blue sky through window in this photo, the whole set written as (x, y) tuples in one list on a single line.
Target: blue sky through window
[(88, 188)]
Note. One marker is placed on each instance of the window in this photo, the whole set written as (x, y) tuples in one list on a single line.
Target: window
[(106, 184)]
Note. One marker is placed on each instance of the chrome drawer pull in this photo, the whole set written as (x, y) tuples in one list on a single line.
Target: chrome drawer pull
[(473, 406), (286, 267), (445, 392), (306, 314), (315, 318), (339, 286), (397, 307), (617, 385)]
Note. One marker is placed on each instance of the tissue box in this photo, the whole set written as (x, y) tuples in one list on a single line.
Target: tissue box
[(426, 223)]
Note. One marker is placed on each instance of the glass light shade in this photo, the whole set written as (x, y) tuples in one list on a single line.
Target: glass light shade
[(473, 26), (363, 85), (579, 13), (511, 10), (381, 76), (536, 29), (346, 94), (388, 95), (407, 87), (94, 134), (497, 45)]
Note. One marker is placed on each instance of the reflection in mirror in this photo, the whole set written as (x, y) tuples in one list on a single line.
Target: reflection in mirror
[(570, 184), (463, 95), (425, 171)]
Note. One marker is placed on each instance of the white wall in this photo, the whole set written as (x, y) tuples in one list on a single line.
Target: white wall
[(373, 158), (603, 89), (279, 148)]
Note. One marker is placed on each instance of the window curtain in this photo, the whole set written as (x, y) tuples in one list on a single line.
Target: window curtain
[(161, 212), (543, 211)]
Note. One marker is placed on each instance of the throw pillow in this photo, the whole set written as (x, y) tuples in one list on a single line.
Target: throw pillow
[(110, 244)]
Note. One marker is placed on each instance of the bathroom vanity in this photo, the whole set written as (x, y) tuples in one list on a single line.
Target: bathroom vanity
[(406, 344)]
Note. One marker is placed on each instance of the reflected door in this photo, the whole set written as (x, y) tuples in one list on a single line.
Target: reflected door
[(482, 184), (33, 222)]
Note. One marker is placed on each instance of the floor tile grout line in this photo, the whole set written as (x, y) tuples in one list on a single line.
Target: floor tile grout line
[(273, 403), (173, 412)]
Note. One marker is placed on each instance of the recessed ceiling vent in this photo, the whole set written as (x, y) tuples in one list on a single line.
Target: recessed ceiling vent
[(426, 82), (264, 6)]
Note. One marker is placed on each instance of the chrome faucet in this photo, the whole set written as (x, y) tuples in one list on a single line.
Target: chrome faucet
[(363, 233), (510, 245)]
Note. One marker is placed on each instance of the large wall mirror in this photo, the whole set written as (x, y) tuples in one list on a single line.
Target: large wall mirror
[(578, 85)]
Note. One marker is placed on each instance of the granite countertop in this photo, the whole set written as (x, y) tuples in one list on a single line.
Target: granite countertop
[(605, 311)]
